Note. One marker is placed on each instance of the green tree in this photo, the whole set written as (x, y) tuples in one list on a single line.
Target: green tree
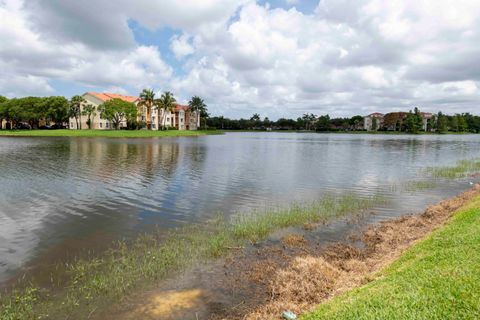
[(75, 109), (166, 103), (147, 97), (442, 123), (266, 122), (323, 123), (414, 121), (473, 122), (374, 124), (3, 110), (89, 112), (356, 122), (116, 111), (308, 120), (461, 123), (197, 104), (57, 109)]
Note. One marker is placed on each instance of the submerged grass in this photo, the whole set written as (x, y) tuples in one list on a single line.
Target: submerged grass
[(413, 186), (437, 278), (461, 169), (97, 282)]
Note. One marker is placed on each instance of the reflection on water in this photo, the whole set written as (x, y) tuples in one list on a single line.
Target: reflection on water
[(59, 196)]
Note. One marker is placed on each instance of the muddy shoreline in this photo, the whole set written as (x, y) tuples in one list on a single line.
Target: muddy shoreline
[(296, 273)]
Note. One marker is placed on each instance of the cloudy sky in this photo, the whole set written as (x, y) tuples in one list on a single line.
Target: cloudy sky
[(277, 58)]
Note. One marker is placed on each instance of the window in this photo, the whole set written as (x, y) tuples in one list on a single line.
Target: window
[(106, 125), (153, 125), (143, 118), (71, 124), (101, 124), (181, 120), (153, 118), (168, 119)]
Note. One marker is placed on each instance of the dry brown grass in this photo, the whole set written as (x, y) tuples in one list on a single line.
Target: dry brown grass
[(294, 240)]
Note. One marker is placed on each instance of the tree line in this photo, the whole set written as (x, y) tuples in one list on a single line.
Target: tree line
[(411, 122), (55, 111), (38, 112)]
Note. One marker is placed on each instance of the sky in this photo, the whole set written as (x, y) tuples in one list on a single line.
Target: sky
[(278, 58)]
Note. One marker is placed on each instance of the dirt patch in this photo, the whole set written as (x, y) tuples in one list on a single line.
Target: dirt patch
[(295, 274)]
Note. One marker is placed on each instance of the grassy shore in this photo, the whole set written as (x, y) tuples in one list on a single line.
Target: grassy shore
[(438, 278), (106, 133), (95, 283)]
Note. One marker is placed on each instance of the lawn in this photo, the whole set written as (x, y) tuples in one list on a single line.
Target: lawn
[(106, 133), (438, 278)]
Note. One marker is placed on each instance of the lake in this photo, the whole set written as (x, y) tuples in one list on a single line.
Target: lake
[(60, 197)]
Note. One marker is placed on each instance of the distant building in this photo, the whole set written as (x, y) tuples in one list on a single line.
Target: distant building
[(182, 117), (96, 99), (393, 121), (426, 119), (373, 121)]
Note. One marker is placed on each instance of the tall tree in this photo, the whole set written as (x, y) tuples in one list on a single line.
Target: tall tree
[(356, 122), (116, 111), (442, 123), (461, 123), (75, 110), (57, 109), (308, 120), (3, 110), (147, 97), (375, 124), (197, 104), (414, 121), (323, 123), (89, 111), (166, 103), (255, 117)]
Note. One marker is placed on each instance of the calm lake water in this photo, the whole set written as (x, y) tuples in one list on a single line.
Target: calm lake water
[(61, 196)]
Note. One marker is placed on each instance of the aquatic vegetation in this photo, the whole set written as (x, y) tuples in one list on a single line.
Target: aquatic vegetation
[(413, 186), (97, 282), (461, 169), (254, 227)]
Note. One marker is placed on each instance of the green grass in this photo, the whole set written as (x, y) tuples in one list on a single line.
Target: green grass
[(95, 283), (106, 133), (439, 278), (461, 169), (413, 186)]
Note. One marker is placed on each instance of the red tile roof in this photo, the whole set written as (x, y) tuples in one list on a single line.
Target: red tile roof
[(426, 115), (107, 96), (181, 107)]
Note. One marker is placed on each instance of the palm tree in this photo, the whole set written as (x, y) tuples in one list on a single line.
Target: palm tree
[(89, 111), (75, 110), (197, 104), (166, 103), (147, 97)]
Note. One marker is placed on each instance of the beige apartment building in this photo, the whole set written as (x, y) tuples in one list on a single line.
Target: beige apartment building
[(182, 117)]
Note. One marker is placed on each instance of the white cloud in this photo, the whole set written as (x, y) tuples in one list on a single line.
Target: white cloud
[(346, 57), (180, 46)]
